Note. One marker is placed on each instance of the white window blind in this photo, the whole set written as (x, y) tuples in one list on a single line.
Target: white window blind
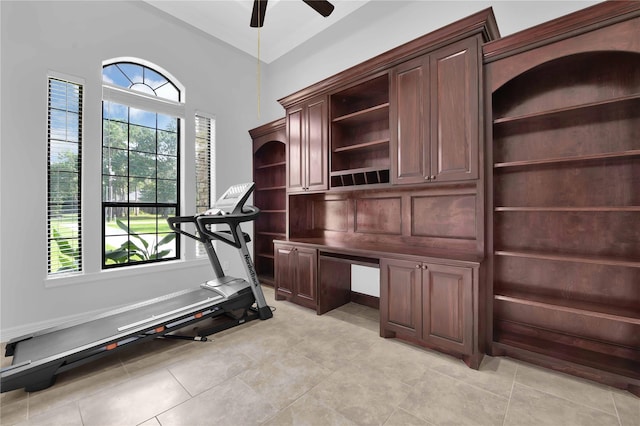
[(64, 178), (205, 181)]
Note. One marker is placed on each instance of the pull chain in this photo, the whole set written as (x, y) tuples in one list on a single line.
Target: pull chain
[(258, 70)]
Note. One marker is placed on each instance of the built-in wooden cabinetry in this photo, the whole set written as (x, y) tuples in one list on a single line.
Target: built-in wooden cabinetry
[(269, 174), (307, 148), (564, 199), (431, 303), (435, 115), (296, 272), (353, 140)]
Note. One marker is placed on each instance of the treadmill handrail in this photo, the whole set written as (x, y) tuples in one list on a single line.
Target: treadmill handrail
[(174, 224), (233, 220)]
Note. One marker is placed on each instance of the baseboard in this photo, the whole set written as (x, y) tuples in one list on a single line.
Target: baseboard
[(365, 299)]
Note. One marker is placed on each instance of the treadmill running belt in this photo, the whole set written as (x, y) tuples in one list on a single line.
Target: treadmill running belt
[(105, 329)]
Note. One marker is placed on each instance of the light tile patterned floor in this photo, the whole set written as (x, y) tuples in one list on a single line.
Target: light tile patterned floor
[(302, 369)]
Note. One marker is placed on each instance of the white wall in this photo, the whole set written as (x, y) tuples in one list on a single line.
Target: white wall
[(75, 37), (381, 25)]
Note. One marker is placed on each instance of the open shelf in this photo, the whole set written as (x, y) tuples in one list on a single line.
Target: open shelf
[(363, 146), (377, 112), (600, 260), (584, 158), (513, 344), (597, 310), (585, 110), (267, 166)]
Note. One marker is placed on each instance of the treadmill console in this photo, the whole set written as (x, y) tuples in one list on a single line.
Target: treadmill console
[(233, 199)]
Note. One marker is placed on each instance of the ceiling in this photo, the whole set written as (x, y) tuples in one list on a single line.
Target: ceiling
[(288, 23)]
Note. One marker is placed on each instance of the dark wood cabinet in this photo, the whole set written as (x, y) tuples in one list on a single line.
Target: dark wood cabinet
[(307, 146), (269, 174), (430, 303), (296, 274), (435, 115), (564, 210)]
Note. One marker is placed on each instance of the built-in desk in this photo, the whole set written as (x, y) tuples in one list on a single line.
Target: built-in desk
[(428, 297)]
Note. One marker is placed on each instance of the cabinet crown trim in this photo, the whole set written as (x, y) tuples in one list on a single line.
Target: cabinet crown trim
[(481, 23), (571, 25)]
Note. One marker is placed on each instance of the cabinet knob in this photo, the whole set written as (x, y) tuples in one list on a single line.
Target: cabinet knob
[(418, 266), (424, 267), (432, 177)]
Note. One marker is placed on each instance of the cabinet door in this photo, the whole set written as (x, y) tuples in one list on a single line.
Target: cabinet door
[(447, 319), (317, 147), (455, 110), (285, 267), (306, 277), (295, 150), (410, 122), (400, 297)]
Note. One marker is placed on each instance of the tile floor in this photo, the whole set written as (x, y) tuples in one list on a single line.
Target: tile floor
[(302, 369)]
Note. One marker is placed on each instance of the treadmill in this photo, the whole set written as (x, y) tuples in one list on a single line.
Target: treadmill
[(39, 357)]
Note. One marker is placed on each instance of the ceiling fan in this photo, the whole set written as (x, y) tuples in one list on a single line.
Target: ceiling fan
[(323, 7)]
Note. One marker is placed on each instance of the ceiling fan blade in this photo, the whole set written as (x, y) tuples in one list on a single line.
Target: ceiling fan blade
[(257, 16), (323, 7)]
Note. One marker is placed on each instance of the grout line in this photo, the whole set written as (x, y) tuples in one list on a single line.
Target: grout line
[(513, 385), (615, 407)]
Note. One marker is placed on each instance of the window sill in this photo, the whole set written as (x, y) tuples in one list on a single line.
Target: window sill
[(131, 271)]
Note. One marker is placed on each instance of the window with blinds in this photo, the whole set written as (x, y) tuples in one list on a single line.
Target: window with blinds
[(205, 183), (64, 177)]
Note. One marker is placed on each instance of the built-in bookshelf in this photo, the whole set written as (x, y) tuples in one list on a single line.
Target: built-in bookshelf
[(269, 175), (566, 215), (360, 134)]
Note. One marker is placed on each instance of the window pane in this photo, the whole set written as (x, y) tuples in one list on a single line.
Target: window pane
[(153, 79), (63, 156), (142, 164), (142, 138), (142, 190), (142, 220), (132, 71), (112, 74), (115, 189), (168, 91), (167, 143), (115, 134), (143, 118), (115, 162), (167, 191), (167, 167), (114, 111)]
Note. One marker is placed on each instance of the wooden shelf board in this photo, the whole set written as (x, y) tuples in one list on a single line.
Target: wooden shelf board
[(360, 170), (363, 145), (571, 109), (266, 255), (569, 209), (271, 188), (597, 310), (272, 234), (624, 368), (270, 165), (362, 113), (612, 261), (556, 160)]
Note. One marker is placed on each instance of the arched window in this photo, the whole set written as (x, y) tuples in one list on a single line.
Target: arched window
[(141, 118)]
